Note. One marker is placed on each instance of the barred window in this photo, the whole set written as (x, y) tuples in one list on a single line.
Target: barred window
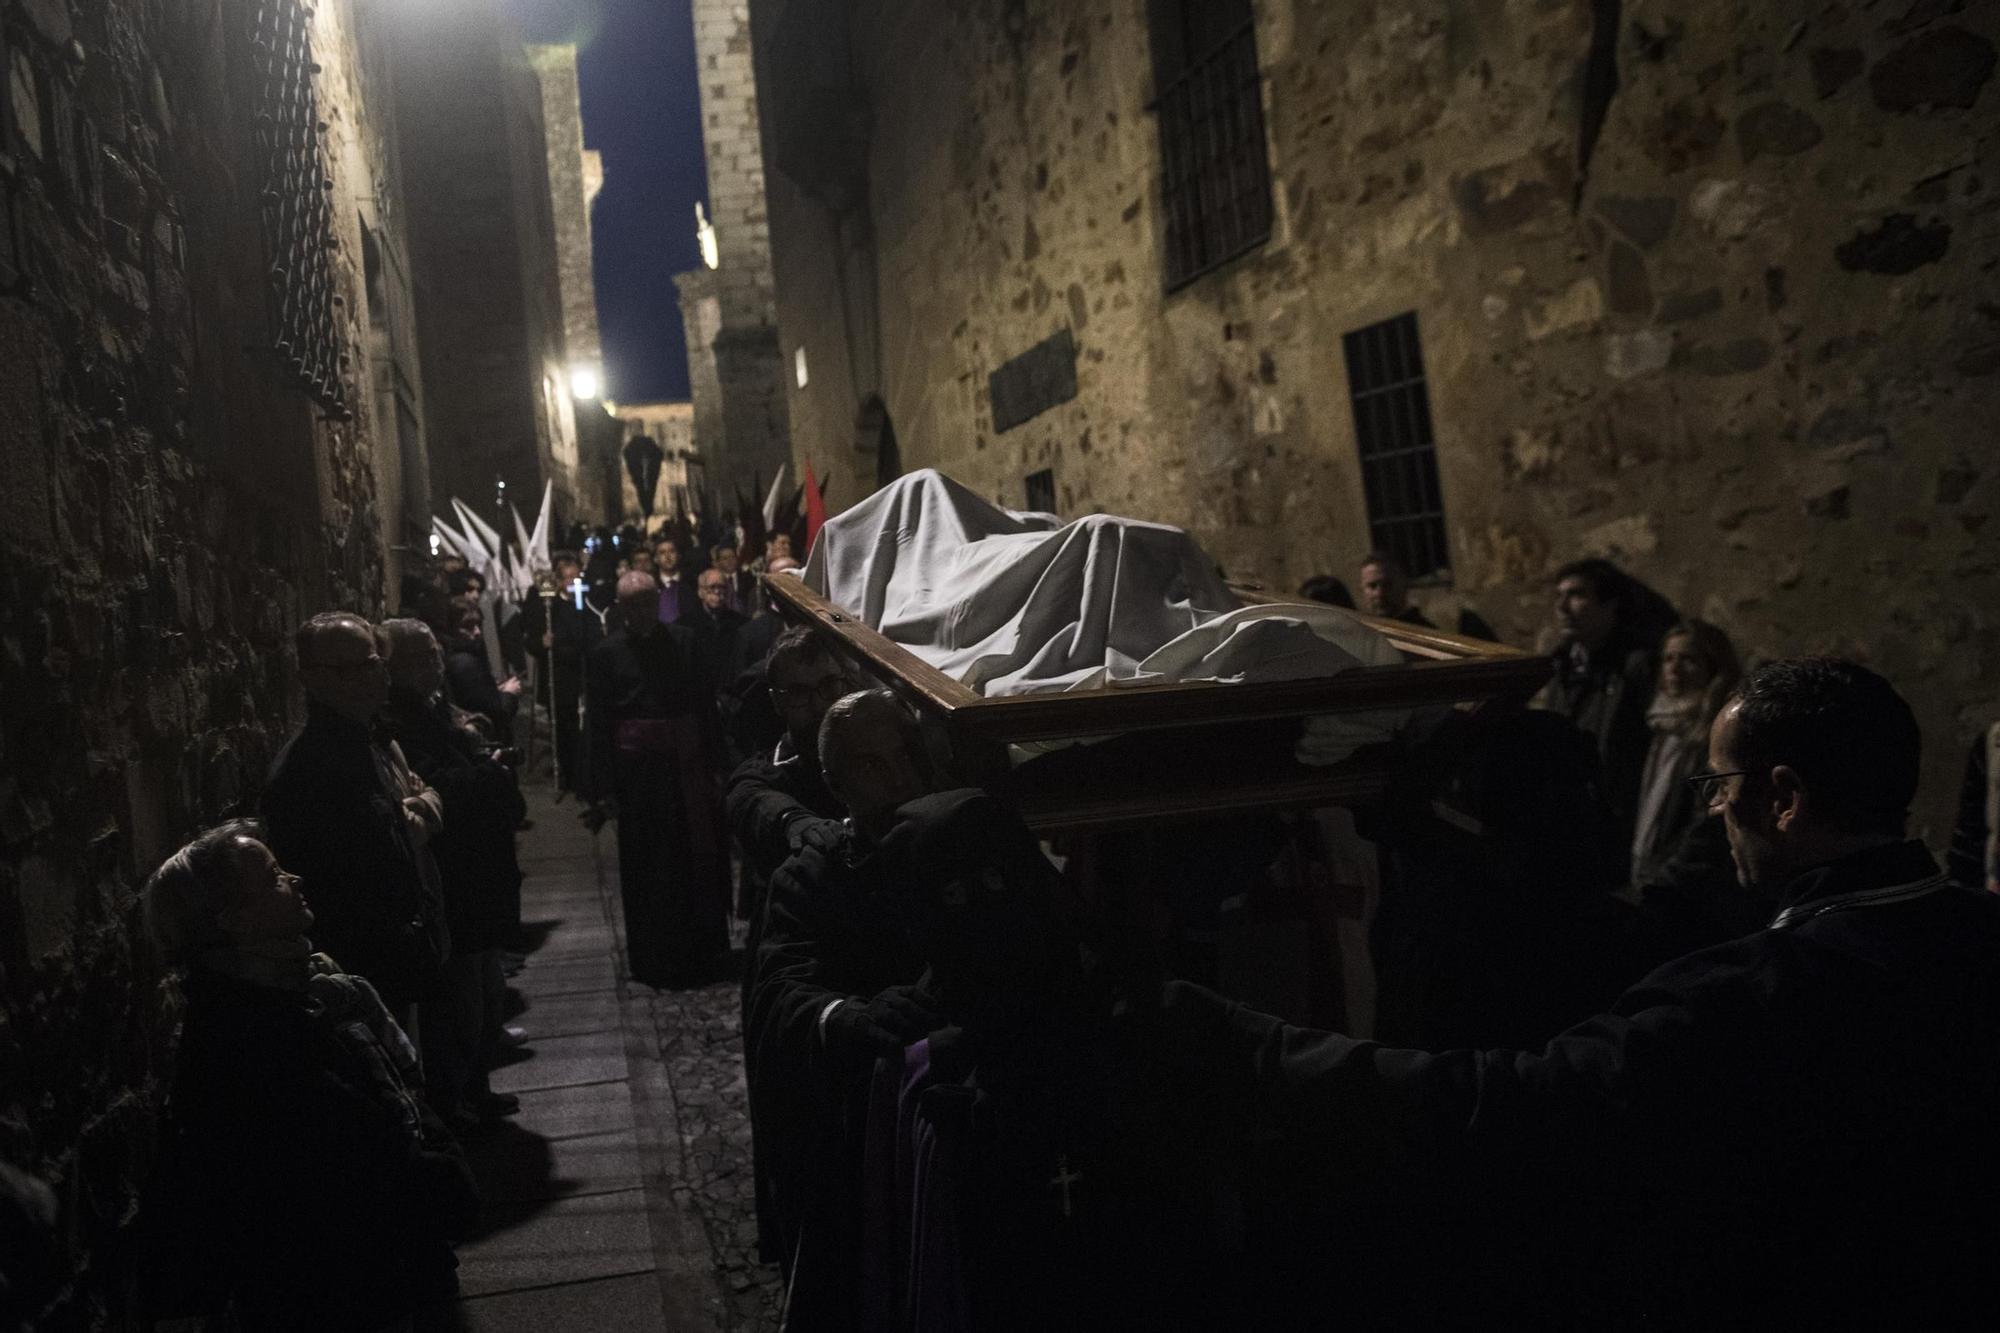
[(1216, 175), (1392, 432), (296, 204)]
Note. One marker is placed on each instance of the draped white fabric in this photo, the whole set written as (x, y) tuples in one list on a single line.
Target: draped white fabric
[(1014, 603)]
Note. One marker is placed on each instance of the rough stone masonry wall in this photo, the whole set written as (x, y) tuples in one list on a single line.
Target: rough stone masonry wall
[(489, 311), (562, 124), (1735, 326), (170, 508), (750, 438)]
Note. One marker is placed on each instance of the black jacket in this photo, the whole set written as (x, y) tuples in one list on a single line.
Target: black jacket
[(469, 683), (765, 794), (302, 1175), (1606, 696), (659, 674), (1967, 857), (475, 851), (828, 935), (335, 818), (1794, 1128), (720, 633)]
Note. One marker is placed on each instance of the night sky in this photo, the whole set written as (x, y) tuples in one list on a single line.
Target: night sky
[(642, 110)]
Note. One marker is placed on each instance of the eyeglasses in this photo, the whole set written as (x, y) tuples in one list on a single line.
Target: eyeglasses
[(826, 687), (368, 663), (1707, 786)]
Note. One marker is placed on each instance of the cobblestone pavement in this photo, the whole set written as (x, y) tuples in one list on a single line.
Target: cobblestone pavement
[(701, 1045)]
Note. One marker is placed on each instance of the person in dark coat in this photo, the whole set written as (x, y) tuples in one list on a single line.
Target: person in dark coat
[(1793, 1129), (653, 738), (1974, 857), (1385, 591), (469, 677), (676, 583), (778, 803), (719, 628), (478, 868), (559, 634), (834, 987), (309, 1185), (347, 815), (750, 718), (1605, 671), (767, 622), (1498, 922), (740, 585)]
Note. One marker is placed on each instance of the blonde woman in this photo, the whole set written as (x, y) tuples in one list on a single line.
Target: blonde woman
[(1698, 669)]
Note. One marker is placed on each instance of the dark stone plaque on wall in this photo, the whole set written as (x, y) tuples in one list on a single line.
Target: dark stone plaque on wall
[(1033, 382)]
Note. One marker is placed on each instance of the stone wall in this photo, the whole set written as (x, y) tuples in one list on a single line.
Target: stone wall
[(574, 178), (1709, 292), (671, 426), (173, 504), (816, 132), (744, 434), (701, 317), (562, 124), (482, 230)]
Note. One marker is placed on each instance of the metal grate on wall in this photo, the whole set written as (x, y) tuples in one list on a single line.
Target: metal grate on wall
[(1216, 172), (1392, 430), (296, 206)]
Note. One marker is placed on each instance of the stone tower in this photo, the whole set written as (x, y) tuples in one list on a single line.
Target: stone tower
[(741, 430)]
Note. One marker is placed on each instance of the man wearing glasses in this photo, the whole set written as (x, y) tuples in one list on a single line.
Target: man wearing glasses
[(1795, 1128), (779, 802)]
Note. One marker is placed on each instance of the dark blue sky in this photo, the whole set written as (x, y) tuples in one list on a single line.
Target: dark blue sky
[(642, 110)]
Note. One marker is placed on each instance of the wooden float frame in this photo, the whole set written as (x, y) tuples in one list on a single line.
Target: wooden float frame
[(1444, 669)]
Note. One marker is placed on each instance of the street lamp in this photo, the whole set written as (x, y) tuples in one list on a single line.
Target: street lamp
[(585, 383)]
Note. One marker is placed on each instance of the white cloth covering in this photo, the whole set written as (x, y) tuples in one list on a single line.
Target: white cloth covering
[(1017, 603)]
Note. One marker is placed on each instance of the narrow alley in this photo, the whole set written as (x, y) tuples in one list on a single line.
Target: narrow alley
[(620, 1196)]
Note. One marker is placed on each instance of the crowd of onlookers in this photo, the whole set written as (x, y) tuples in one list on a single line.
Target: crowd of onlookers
[(930, 1014)]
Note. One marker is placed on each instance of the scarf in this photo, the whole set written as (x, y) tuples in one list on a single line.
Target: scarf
[(284, 964), (1668, 715)]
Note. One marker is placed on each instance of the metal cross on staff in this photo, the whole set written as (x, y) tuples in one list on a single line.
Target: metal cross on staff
[(1063, 1179)]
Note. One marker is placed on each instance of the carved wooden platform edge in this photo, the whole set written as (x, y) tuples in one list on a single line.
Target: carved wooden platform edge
[(1450, 669)]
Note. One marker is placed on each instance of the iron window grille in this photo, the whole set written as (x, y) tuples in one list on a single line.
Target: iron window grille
[(295, 205), (1216, 173), (1393, 435)]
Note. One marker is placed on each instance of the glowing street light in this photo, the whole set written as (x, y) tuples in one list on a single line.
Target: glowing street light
[(585, 383)]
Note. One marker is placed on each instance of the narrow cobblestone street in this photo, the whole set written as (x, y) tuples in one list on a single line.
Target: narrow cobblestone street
[(700, 1041), (620, 1197)]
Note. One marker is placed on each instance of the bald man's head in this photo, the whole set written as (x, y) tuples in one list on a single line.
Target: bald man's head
[(872, 754), (341, 664), (638, 601)]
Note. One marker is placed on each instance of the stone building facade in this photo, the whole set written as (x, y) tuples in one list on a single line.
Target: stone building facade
[(1708, 291), (576, 175), (173, 499), (491, 302), (737, 370), (671, 426)]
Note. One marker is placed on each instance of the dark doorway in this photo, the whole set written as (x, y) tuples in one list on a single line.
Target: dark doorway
[(875, 432)]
